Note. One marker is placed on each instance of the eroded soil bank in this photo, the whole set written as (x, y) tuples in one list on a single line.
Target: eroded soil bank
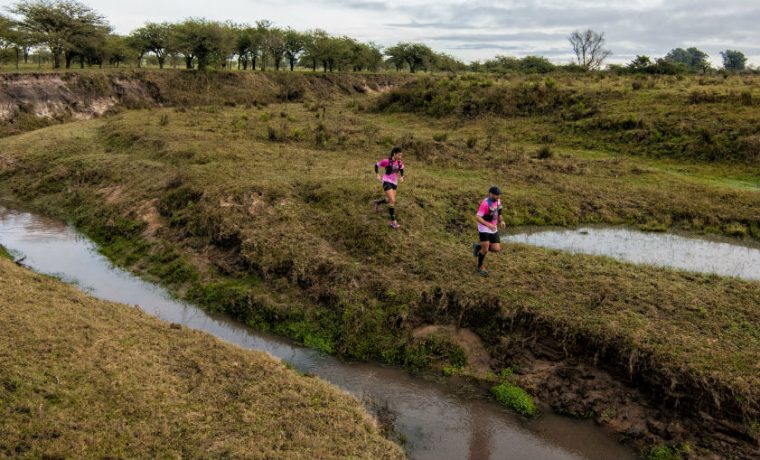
[(33, 100)]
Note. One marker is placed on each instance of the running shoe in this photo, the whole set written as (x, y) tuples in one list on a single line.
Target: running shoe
[(482, 271), (394, 224)]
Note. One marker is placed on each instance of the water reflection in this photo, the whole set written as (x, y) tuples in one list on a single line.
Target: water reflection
[(658, 249)]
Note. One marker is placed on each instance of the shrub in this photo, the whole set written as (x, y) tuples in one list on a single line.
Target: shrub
[(472, 141), (515, 398), (440, 137), (544, 153)]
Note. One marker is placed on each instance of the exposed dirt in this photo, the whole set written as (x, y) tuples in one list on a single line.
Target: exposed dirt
[(7, 163), (478, 359), (150, 215), (571, 384)]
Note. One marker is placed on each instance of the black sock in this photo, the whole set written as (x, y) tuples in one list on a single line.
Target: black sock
[(392, 212), (381, 201), (481, 258)]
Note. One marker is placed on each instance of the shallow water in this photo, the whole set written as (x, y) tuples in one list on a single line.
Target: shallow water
[(702, 255), (435, 420)]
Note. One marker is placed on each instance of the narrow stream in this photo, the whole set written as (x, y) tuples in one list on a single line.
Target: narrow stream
[(435, 420), (718, 256)]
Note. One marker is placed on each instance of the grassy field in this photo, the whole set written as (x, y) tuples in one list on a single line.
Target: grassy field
[(263, 211), (91, 379)]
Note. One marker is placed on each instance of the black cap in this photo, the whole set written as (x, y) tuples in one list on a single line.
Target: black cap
[(494, 190)]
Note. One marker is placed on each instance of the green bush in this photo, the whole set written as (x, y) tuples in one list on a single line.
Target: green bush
[(662, 453), (515, 398)]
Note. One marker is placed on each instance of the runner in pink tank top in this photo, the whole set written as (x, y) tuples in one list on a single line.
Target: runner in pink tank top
[(488, 216), (393, 173)]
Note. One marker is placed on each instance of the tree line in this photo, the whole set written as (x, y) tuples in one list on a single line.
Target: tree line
[(65, 33)]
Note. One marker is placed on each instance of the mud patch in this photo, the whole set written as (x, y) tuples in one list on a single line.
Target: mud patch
[(478, 358), (578, 387), (7, 163), (149, 214)]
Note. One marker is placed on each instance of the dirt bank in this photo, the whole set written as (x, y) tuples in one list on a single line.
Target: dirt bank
[(33, 100)]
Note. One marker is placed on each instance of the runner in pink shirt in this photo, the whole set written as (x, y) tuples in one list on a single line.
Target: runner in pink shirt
[(489, 214), (393, 167)]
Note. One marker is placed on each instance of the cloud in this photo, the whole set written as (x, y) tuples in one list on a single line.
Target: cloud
[(476, 29)]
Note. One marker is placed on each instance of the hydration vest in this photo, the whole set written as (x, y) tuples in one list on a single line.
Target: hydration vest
[(389, 169), (493, 210)]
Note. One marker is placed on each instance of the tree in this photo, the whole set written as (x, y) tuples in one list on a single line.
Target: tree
[(262, 32), (589, 49), (118, 50), (366, 56), (641, 64), (316, 49), (733, 60), (154, 38), (692, 59), (294, 45), (201, 40), (447, 63), (274, 43), (58, 24), (415, 55), (243, 42)]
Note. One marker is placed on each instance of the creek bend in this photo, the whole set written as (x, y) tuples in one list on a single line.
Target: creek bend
[(435, 419)]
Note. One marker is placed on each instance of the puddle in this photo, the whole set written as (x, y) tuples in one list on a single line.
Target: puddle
[(435, 420), (702, 255)]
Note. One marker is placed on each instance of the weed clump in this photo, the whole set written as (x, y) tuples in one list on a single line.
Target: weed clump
[(662, 453), (544, 153), (515, 398)]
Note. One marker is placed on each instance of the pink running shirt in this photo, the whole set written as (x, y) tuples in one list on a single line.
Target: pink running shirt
[(483, 210), (398, 165)]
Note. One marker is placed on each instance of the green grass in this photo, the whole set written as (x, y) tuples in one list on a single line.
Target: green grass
[(4, 254), (279, 232), (515, 398), (662, 453), (94, 379)]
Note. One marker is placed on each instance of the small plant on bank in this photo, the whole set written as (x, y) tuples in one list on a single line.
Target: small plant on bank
[(544, 153), (472, 141), (662, 453), (440, 137), (515, 398)]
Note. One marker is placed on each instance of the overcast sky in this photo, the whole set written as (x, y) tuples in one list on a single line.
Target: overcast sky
[(480, 29)]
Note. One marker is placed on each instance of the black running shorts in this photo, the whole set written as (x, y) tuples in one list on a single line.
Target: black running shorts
[(388, 186), (492, 238)]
